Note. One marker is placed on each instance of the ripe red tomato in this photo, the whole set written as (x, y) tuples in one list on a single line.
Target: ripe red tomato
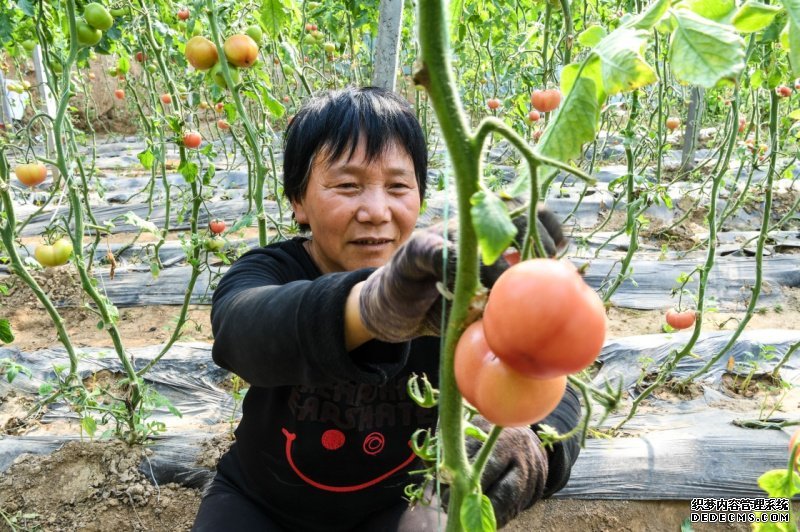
[(223, 124), (286, 99), (742, 124), (309, 27), (166, 99), (502, 395), (673, 122), (792, 442), (546, 100), (543, 320), (31, 174), (183, 14), (220, 107), (54, 255), (216, 226), (140, 57), (192, 139), (783, 91), (119, 94), (534, 116), (681, 320), (493, 103)]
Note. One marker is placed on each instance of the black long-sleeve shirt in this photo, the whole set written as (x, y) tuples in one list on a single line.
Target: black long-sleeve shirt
[(324, 436)]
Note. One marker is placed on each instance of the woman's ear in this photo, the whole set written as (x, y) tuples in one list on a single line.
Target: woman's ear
[(299, 212)]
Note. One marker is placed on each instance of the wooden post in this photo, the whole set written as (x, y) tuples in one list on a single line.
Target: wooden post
[(692, 130), (49, 103), (387, 49)]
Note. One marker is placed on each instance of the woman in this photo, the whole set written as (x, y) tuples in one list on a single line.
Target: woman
[(327, 331)]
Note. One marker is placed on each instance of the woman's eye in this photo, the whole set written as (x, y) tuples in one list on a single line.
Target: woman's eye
[(347, 186)]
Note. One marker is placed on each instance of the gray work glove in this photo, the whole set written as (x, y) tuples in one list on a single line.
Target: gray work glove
[(515, 474), (401, 300)]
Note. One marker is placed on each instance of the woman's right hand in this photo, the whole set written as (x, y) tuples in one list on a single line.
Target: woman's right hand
[(402, 299)]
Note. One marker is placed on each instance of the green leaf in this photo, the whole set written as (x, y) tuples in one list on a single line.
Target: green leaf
[(6, 336), (591, 70), (716, 10), (650, 17), (622, 66), (793, 9), (795, 115), (89, 425), (477, 514), (189, 171), (209, 174), (780, 483), (45, 388), (754, 16), (123, 65), (702, 52), (794, 47), (492, 224), (275, 107), (275, 16), (26, 6), (146, 158), (574, 124), (134, 219), (591, 36)]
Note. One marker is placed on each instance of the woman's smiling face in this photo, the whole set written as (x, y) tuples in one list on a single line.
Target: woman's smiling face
[(359, 211)]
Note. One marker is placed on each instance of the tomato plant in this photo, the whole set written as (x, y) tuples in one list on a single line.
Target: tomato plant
[(543, 320), (681, 319), (502, 395), (794, 440), (31, 174)]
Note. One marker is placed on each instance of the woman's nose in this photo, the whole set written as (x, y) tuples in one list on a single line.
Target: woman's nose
[(374, 207)]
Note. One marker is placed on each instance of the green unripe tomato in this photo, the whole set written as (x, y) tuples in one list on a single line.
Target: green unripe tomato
[(56, 67), (152, 68), (29, 45), (255, 33), (329, 47), (219, 78), (87, 35), (98, 16), (119, 12), (215, 243)]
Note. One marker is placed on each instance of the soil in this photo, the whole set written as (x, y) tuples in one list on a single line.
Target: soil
[(92, 487)]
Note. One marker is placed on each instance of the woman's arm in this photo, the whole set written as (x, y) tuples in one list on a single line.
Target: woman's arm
[(272, 326)]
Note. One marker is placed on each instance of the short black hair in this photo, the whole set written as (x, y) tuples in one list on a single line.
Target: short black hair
[(336, 121)]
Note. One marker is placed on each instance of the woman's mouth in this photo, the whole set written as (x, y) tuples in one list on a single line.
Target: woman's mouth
[(369, 243)]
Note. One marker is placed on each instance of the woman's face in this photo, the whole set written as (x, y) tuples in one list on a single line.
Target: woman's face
[(359, 212)]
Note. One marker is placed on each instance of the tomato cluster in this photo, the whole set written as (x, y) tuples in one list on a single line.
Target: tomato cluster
[(541, 322)]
